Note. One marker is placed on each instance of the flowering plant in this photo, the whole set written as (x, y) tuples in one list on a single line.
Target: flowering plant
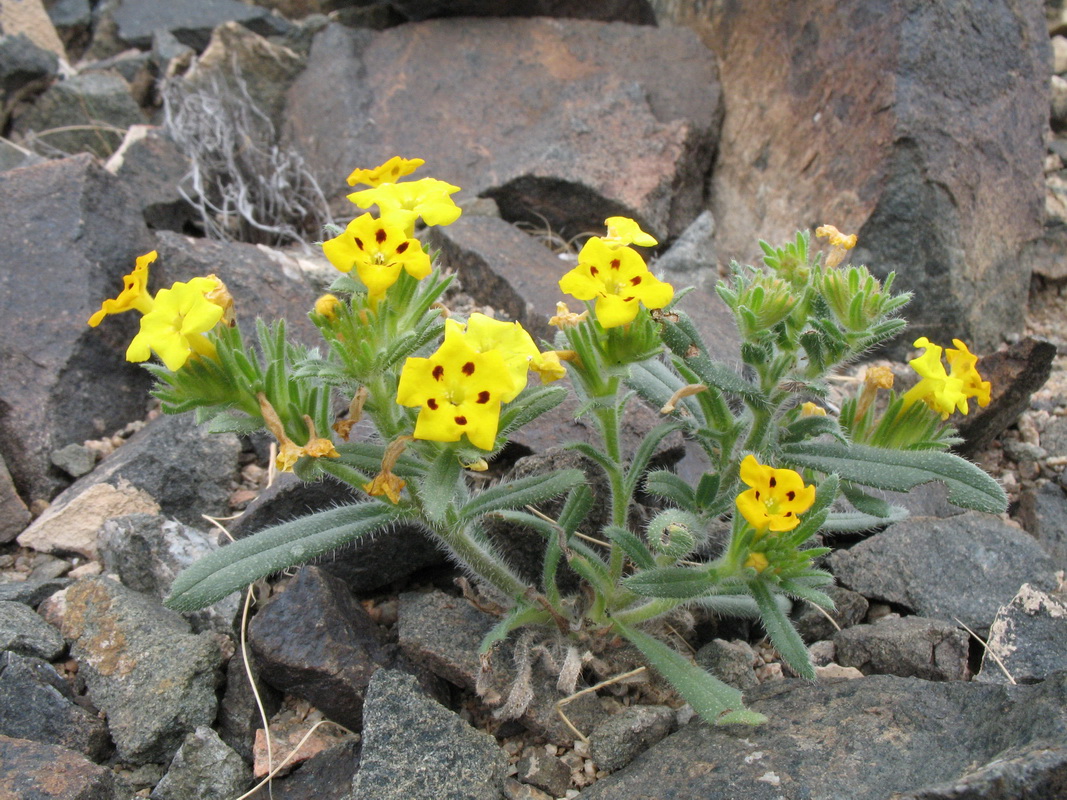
[(445, 394)]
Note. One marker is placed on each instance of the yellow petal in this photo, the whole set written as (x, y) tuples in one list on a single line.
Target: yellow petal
[(390, 172)]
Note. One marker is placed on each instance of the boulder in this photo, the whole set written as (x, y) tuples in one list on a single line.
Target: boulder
[(71, 232), (572, 121), (918, 126), (33, 768), (1026, 638), (190, 21)]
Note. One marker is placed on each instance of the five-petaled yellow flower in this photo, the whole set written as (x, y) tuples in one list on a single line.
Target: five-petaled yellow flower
[(428, 198), (390, 172), (378, 249), (619, 281), (777, 498), (459, 391), (943, 391), (176, 325), (623, 231), (134, 294)]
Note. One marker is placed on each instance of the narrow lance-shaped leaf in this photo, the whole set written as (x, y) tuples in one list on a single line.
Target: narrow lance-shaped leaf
[(236, 565), (523, 492), (783, 635)]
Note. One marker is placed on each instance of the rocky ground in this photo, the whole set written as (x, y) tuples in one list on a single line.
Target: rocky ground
[(941, 674)]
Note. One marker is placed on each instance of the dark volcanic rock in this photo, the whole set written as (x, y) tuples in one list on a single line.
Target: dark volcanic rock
[(24, 632), (239, 716), (24, 69), (972, 565), (328, 663), (36, 703), (204, 768), (415, 748), (82, 104), (1027, 638), (864, 739), (563, 128), (36, 771), (70, 233), (621, 738), (154, 680), (812, 624), (1043, 512), (14, 516), (190, 21), (910, 647), (918, 126), (151, 166)]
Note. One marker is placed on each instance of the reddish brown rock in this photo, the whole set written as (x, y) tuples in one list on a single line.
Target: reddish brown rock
[(37, 771), (917, 125), (561, 121)]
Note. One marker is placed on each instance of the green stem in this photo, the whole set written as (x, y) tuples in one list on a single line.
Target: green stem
[(646, 611), (482, 561)]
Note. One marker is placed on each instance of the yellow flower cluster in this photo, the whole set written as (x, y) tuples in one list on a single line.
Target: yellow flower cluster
[(460, 388), (174, 322), (379, 248), (615, 275)]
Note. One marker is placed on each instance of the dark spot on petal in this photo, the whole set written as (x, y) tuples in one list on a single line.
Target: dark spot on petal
[(787, 514), (483, 397), (431, 404), (468, 368), (380, 236), (438, 372), (594, 271), (790, 496), (359, 242), (615, 263), (772, 482), (635, 280), (628, 299), (460, 420), (400, 248), (757, 494)]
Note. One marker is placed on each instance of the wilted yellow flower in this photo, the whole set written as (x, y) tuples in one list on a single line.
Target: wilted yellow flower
[(840, 244), (549, 365), (565, 318), (176, 325), (623, 231), (618, 279), (390, 172), (134, 294), (776, 499)]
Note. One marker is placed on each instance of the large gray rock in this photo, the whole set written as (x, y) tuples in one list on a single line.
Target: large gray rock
[(1043, 512), (37, 703), (415, 749), (151, 166), (865, 739), (24, 68), (88, 107), (562, 128), (963, 567), (883, 120), (328, 663), (70, 233), (205, 768), (636, 12), (154, 679), (14, 516), (618, 740), (1028, 638), (910, 647), (190, 21)]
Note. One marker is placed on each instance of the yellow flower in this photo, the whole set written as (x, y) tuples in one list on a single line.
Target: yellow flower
[(565, 318), (840, 244), (483, 334), (943, 391), (549, 365), (427, 198), (385, 482), (776, 499), (390, 172), (758, 561), (623, 231), (809, 409), (175, 326), (134, 294), (458, 391), (326, 306), (378, 249), (618, 279)]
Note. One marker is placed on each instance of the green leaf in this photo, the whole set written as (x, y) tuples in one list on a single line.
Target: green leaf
[(523, 492), (858, 522), (528, 406), (664, 483), (713, 700), (516, 618), (862, 501), (576, 508), (236, 565), (632, 545), (783, 635), (902, 470), (680, 583)]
